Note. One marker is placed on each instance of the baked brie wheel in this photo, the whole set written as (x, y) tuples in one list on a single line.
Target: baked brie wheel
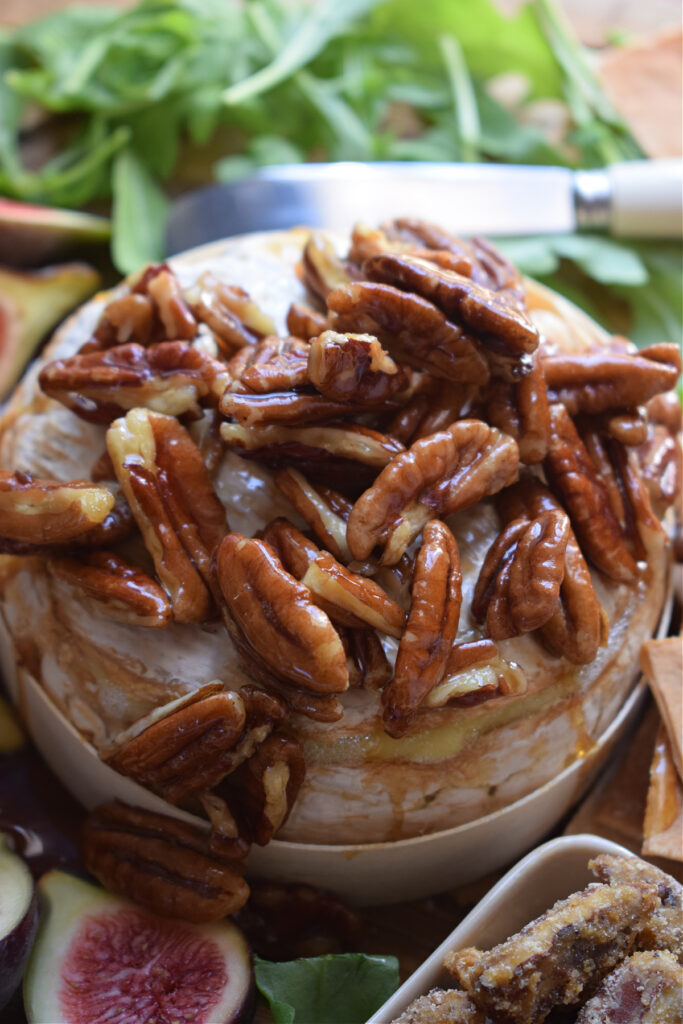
[(350, 544)]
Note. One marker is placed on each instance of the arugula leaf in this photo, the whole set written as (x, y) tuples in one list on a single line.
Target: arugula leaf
[(138, 214), (343, 988), (604, 259)]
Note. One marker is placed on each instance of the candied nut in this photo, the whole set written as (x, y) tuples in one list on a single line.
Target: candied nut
[(292, 547), (645, 988), (595, 382), (475, 673), (353, 368), (283, 407), (430, 631), (304, 322), (274, 364), (229, 312), (519, 583), (176, 317), (636, 498), (629, 428), (410, 328), (171, 378), (365, 657), (572, 475), (436, 476), (161, 863), (520, 409), (35, 511), (322, 269), (315, 506), (344, 593), (266, 786), (666, 410), (433, 407), (574, 631), (128, 318), (272, 619), (661, 465), (163, 476), (462, 300), (121, 591)]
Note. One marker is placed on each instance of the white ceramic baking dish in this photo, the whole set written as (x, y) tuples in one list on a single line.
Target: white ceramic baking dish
[(549, 873)]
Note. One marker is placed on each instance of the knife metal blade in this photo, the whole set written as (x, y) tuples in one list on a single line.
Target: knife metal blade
[(487, 199)]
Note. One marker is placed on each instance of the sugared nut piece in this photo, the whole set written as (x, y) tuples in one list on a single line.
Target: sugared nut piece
[(436, 476), (163, 476), (161, 863), (172, 378), (267, 785), (272, 619), (232, 316), (35, 511), (410, 328), (480, 309), (646, 988), (573, 477), (520, 409), (595, 382), (326, 513), (120, 591), (353, 368), (519, 583), (430, 631)]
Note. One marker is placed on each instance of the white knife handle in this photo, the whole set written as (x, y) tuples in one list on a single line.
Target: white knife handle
[(646, 198)]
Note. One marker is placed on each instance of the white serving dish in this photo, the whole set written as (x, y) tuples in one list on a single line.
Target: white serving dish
[(549, 873)]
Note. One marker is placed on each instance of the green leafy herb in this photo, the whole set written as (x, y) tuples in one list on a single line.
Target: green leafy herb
[(336, 989), (138, 213)]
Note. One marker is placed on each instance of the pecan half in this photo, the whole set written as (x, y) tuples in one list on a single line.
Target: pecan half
[(596, 382), (322, 269), (629, 428), (273, 620), (410, 328), (572, 475), (121, 591), (366, 660), (162, 474), (171, 378), (574, 631), (326, 512), (436, 476), (283, 407), (35, 511), (521, 410), (519, 583), (304, 322), (233, 317), (128, 318), (661, 463), (475, 673), (274, 364), (161, 863), (482, 310), (192, 749), (353, 368), (430, 630), (434, 406), (176, 317), (265, 788)]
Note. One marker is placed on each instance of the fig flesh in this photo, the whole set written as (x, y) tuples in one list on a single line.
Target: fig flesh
[(96, 953), (18, 919), (31, 303)]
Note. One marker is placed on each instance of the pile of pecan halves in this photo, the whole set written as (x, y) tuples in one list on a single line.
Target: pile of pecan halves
[(413, 386)]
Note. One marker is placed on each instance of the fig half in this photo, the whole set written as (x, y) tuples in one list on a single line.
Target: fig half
[(96, 952), (18, 919)]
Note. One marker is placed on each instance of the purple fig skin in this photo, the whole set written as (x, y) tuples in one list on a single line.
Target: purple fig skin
[(14, 950)]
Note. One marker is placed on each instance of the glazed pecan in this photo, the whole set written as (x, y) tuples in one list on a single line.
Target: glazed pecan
[(666, 410), (629, 428), (430, 632), (354, 368), (174, 313), (265, 788), (283, 408), (661, 463), (574, 631), (304, 322), (121, 591), (519, 583), (161, 863), (436, 476), (433, 407), (190, 750), (596, 382), (322, 269), (273, 620), (349, 599), (325, 511), (572, 475), (636, 499), (366, 660), (43, 512), (475, 673), (171, 378), (274, 364), (163, 476), (341, 454), (521, 410), (413, 330), (128, 318), (230, 313), (486, 312)]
